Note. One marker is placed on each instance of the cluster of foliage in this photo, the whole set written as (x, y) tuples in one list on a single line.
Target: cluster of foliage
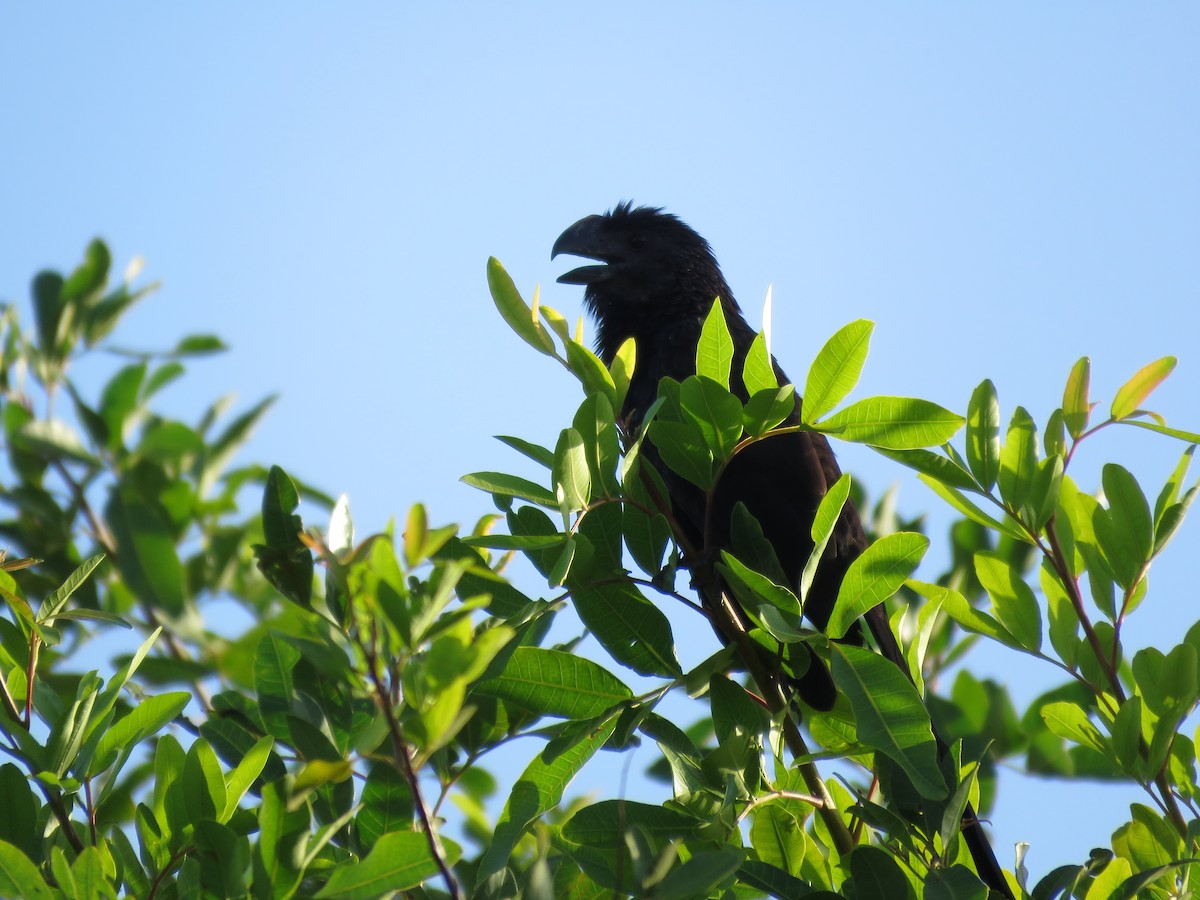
[(317, 752)]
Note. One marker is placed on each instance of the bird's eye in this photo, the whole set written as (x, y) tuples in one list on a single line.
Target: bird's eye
[(637, 242)]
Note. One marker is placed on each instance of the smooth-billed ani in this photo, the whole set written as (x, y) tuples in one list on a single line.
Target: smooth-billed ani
[(657, 283)]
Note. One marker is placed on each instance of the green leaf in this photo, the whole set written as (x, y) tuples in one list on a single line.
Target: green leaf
[(120, 400), (897, 423), (1076, 407), (714, 411), (622, 370), (538, 790), (554, 683), (757, 372), (199, 345), (596, 424), (684, 450), (47, 310), (1005, 526), (1069, 721), (836, 370), (146, 719), (1127, 736), (824, 522), (753, 588), (535, 452), (983, 435), (1043, 493), (875, 873), (89, 276), (778, 837), (631, 628), (275, 660), (146, 556), (1063, 620), (954, 883), (520, 318), (202, 782), (242, 778), (1169, 494), (398, 862), (967, 617), (19, 877), (1124, 531), (1054, 438), (58, 598), (889, 715), (768, 408), (572, 478), (1139, 387), (1192, 437), (940, 468), (714, 351), (1168, 683), (874, 576), (701, 874), (1018, 461), (590, 371), (511, 486), (1012, 599), (517, 541), (284, 560)]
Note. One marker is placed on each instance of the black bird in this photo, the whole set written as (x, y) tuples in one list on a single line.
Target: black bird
[(655, 281), (657, 285)]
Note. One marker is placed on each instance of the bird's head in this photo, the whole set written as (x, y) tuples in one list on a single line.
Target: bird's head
[(652, 269)]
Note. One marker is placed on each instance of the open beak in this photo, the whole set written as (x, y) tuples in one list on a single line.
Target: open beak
[(585, 238)]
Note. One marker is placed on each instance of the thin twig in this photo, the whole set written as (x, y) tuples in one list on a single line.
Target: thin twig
[(402, 756)]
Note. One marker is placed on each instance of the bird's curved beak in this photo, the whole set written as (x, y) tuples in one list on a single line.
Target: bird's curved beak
[(585, 238)]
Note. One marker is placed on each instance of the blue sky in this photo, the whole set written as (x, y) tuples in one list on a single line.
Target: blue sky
[(1001, 189)]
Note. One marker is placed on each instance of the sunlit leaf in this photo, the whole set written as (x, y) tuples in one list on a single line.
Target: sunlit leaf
[(836, 370), (897, 423), (757, 372), (983, 435), (1140, 386), (518, 316), (714, 350)]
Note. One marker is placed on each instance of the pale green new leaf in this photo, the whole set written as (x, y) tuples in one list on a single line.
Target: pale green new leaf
[(1139, 387), (822, 529), (757, 372), (714, 351), (983, 435), (897, 423), (519, 317), (836, 370), (1076, 407)]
